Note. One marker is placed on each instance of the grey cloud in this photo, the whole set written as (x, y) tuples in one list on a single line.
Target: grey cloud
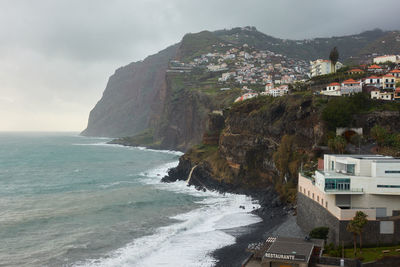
[(56, 55)]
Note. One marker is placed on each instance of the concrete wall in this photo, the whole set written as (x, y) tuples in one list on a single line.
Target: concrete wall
[(311, 214)]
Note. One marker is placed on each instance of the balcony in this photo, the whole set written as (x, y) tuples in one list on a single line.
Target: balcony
[(352, 191)]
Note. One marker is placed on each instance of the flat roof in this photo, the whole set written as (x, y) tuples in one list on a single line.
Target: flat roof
[(367, 157)]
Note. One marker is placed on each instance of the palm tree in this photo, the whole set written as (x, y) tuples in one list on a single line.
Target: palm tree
[(334, 57), (353, 228), (360, 220)]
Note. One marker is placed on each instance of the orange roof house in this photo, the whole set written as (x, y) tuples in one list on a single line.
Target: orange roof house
[(350, 81), (374, 67)]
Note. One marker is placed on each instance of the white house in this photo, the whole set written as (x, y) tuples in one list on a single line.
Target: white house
[(373, 81), (350, 86), (386, 58), (382, 95), (349, 183), (278, 91), (333, 89)]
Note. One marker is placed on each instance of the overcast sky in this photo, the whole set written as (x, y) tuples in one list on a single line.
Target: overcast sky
[(56, 55)]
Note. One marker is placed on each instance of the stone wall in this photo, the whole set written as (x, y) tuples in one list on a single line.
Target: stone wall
[(311, 215)]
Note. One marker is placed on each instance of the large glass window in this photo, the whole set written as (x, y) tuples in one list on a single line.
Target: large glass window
[(350, 169), (337, 184)]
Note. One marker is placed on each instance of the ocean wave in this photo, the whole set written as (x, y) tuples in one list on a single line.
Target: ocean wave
[(172, 152), (191, 240)]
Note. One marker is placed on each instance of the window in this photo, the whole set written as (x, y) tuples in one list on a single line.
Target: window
[(337, 184), (299, 188), (317, 198), (326, 204), (312, 195), (388, 186), (308, 193), (393, 171), (322, 201), (333, 166)]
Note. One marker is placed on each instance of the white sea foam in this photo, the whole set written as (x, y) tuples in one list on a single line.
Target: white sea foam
[(190, 241), (173, 152)]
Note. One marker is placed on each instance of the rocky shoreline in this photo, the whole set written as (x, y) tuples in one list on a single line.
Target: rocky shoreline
[(272, 211)]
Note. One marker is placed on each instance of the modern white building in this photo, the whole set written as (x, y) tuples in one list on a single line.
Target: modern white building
[(351, 183), (322, 67)]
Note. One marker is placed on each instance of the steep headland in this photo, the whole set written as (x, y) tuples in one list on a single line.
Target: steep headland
[(169, 109)]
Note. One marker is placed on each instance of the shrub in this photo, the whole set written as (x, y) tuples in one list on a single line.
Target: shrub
[(320, 232)]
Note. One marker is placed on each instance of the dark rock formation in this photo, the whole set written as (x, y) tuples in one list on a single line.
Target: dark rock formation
[(133, 99)]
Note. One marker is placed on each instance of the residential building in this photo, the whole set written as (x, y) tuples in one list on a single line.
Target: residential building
[(389, 82), (396, 74), (356, 71), (333, 89), (269, 86), (382, 94), (386, 58), (322, 67), (396, 95), (246, 96), (350, 87), (375, 69), (351, 183), (373, 81), (277, 91)]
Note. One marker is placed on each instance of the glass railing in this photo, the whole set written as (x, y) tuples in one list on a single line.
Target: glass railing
[(355, 190)]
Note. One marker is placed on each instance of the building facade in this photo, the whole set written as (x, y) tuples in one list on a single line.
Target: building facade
[(351, 183), (322, 67)]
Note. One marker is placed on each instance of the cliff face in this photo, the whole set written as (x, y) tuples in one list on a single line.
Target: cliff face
[(133, 98), (251, 134), (246, 156), (171, 108)]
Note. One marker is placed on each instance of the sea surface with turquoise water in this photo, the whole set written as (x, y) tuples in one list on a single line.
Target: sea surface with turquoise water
[(67, 200)]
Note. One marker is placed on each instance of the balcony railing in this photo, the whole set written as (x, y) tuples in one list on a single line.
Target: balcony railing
[(351, 190)]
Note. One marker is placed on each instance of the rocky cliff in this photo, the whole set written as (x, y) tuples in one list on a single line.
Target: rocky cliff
[(264, 142), (169, 110), (133, 99)]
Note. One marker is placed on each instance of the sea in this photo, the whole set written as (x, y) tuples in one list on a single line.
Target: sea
[(68, 200)]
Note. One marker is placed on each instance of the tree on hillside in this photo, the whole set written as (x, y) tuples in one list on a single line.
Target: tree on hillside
[(337, 144), (284, 156), (379, 134), (334, 57)]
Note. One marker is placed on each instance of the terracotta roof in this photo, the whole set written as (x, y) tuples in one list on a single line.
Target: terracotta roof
[(388, 75), (356, 70), (373, 77), (374, 67), (397, 90), (349, 81), (334, 84), (395, 71)]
